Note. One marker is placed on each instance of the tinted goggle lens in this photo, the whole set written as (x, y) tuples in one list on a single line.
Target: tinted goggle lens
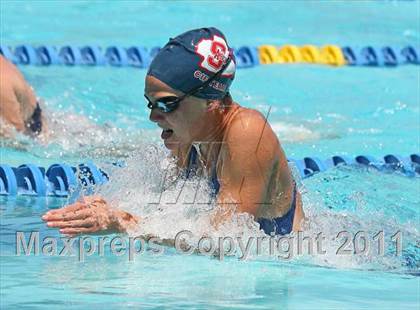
[(164, 104)]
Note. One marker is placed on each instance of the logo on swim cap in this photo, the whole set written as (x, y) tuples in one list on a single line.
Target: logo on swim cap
[(214, 53), (192, 58)]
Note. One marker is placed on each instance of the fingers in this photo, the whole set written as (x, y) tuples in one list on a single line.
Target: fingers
[(78, 230), (71, 224), (71, 208), (66, 215), (89, 215)]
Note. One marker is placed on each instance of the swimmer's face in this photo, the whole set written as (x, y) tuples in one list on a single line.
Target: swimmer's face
[(182, 126)]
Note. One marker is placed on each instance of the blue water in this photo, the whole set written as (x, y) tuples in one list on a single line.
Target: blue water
[(100, 113)]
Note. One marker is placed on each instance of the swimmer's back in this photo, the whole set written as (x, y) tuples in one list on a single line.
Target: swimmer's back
[(249, 132)]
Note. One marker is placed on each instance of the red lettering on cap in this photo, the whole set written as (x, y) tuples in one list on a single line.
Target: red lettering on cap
[(213, 53), (217, 56)]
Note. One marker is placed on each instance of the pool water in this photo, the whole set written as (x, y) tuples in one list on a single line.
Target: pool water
[(99, 113)]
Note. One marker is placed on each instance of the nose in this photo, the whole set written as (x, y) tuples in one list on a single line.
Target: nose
[(156, 116)]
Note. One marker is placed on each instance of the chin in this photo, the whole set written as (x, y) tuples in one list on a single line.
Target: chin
[(170, 144), (174, 144)]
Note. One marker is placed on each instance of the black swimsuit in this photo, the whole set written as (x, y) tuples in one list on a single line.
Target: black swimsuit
[(279, 225), (35, 122)]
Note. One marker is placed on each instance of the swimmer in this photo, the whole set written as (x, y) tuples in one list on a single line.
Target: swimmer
[(187, 90), (19, 109)]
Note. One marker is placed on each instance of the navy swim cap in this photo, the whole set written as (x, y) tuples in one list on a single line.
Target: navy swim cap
[(190, 59)]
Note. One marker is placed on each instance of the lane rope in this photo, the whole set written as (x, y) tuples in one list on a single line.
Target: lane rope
[(246, 56), (63, 180)]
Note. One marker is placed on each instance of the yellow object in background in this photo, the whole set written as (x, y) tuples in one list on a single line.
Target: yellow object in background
[(327, 55), (290, 53), (311, 54), (269, 54), (333, 55)]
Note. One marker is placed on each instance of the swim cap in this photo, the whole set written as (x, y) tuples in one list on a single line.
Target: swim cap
[(190, 59)]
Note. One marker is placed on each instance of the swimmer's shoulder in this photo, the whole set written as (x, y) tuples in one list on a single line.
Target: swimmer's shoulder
[(16, 84), (12, 77), (241, 114), (8, 82), (17, 99), (8, 69), (249, 125)]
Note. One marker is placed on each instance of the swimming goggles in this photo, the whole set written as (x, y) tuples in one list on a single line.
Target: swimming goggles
[(169, 104)]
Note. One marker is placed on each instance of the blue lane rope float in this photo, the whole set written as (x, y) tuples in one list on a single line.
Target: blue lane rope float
[(138, 56), (26, 55), (30, 179), (62, 180), (59, 180), (8, 53), (48, 56), (8, 183), (246, 56), (70, 55), (62, 177), (116, 56), (411, 54), (92, 56)]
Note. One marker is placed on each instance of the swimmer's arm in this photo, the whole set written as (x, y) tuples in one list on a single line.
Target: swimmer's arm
[(252, 150), (17, 99), (10, 110)]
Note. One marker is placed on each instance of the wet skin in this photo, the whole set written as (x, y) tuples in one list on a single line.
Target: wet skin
[(238, 142), (17, 101)]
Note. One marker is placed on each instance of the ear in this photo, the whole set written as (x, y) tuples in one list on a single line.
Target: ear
[(213, 105)]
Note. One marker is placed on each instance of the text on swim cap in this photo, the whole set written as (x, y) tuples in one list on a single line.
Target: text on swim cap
[(214, 84), (201, 76)]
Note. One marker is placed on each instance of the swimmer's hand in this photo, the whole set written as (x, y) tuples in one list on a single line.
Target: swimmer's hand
[(91, 215)]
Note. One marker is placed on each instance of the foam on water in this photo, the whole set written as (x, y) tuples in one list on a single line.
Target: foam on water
[(141, 188), (315, 111), (352, 204)]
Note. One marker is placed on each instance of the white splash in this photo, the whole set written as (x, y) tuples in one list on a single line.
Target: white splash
[(293, 133)]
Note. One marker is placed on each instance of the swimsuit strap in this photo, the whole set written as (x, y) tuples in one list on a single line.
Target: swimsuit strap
[(192, 162), (214, 182), (193, 166)]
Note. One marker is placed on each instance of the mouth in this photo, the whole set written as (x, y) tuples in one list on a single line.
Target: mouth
[(166, 133)]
